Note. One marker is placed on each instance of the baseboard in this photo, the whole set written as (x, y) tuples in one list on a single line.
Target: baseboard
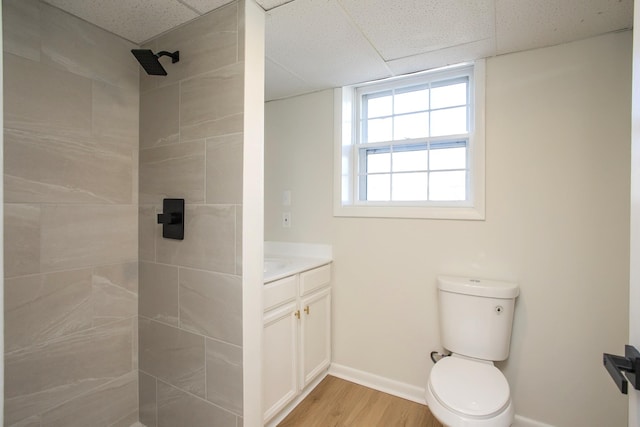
[(520, 421), (403, 390), (376, 382)]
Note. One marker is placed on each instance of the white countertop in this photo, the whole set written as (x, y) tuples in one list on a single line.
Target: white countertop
[(284, 259), (278, 267)]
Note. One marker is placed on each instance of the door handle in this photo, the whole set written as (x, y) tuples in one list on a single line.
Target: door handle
[(624, 369)]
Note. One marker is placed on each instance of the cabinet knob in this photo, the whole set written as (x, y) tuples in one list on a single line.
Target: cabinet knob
[(297, 314), (306, 309)]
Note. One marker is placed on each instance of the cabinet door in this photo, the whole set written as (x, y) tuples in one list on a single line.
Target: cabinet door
[(315, 335), (279, 362)]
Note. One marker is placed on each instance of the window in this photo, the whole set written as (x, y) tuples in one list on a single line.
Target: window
[(413, 146)]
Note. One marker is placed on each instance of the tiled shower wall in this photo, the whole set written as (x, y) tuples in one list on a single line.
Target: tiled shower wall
[(70, 185), (191, 142)]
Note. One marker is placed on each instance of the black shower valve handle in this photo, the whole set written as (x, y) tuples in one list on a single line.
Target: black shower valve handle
[(170, 218)]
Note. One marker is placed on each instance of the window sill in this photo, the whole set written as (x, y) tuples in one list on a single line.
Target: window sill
[(418, 212)]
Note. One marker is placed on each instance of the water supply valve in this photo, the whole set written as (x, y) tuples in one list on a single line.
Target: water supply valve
[(629, 364)]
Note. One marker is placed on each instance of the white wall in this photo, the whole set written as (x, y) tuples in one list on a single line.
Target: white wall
[(557, 222), (253, 206), (298, 156), (1, 234), (634, 291)]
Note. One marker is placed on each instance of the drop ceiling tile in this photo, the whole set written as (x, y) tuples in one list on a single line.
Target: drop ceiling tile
[(137, 21), (400, 29), (282, 83), (443, 57), (525, 25), (204, 6), (315, 39), (271, 4)]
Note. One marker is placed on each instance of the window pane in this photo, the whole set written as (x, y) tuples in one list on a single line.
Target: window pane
[(449, 96), (449, 122), (447, 186), (378, 104), (379, 130), (448, 158), (378, 162), (410, 186), (408, 102), (378, 187), (414, 160), (411, 126)]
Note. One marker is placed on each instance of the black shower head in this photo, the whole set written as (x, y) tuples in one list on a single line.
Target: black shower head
[(150, 62)]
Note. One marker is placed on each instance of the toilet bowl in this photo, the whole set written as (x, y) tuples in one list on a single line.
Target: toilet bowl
[(466, 389), (466, 392)]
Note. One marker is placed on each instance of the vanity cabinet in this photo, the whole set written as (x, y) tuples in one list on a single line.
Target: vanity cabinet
[(297, 336)]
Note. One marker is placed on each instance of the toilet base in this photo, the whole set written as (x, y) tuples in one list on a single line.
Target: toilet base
[(451, 419)]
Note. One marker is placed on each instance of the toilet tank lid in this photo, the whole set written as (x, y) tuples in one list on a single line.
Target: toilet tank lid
[(478, 287)]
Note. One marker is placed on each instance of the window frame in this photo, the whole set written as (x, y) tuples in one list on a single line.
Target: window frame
[(346, 100)]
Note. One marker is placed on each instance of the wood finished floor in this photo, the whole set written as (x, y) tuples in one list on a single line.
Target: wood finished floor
[(337, 403)]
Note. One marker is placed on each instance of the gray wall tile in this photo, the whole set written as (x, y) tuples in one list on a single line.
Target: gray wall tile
[(122, 275), (209, 240), (75, 237), (115, 118), (147, 225), (239, 213), (173, 171), (212, 96), (71, 144), (46, 169), (211, 304), (135, 343), (40, 377), (224, 375), (103, 406), (177, 408), (45, 100), (159, 292), (111, 302), (130, 420), (21, 239), (34, 421), (21, 29), (224, 169), (241, 29), (147, 398), (94, 53), (205, 44), (173, 355), (195, 153), (159, 116), (46, 306), (223, 126)]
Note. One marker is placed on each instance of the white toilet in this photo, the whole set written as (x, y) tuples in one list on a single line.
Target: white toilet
[(465, 389)]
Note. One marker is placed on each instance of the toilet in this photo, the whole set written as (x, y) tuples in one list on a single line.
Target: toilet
[(466, 389)]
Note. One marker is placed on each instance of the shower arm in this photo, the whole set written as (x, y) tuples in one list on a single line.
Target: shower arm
[(175, 56)]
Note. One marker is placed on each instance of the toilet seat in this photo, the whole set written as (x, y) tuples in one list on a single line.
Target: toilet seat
[(469, 388)]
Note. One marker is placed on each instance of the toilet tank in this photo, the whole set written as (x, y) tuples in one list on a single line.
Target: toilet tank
[(476, 316)]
